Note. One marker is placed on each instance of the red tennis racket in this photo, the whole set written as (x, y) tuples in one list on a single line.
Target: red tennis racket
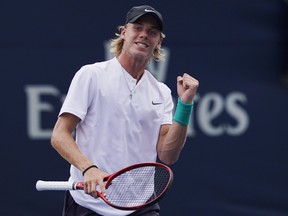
[(131, 188)]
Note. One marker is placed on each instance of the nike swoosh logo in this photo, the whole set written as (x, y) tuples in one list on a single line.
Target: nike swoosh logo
[(156, 103), (147, 10)]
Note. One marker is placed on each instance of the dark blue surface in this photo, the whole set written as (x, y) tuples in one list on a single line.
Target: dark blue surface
[(235, 161)]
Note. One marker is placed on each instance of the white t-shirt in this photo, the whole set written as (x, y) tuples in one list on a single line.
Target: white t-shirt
[(116, 130)]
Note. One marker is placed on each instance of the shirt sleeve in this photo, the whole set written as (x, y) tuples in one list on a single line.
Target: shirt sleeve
[(80, 93), (168, 105)]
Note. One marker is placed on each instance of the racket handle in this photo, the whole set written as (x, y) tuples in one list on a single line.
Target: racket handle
[(56, 185)]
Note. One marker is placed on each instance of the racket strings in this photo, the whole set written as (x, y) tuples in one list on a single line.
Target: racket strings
[(138, 186)]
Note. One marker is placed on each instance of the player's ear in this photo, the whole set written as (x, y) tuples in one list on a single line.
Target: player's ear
[(122, 30), (158, 46)]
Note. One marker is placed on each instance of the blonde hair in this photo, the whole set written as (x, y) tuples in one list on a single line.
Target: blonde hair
[(117, 45)]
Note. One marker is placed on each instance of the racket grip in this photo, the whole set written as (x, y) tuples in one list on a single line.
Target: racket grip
[(55, 185)]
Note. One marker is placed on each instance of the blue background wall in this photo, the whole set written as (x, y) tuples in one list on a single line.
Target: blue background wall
[(235, 161)]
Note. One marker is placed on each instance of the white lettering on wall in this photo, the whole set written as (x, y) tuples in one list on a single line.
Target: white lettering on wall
[(236, 111), (35, 107), (207, 114), (211, 106)]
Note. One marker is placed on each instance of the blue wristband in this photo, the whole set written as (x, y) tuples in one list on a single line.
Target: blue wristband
[(183, 112)]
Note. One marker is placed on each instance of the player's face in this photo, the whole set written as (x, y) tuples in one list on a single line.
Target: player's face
[(141, 38)]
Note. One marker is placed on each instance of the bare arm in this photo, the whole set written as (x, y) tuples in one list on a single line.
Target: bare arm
[(172, 137), (64, 143)]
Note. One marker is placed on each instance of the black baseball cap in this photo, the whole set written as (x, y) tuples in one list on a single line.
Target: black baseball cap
[(136, 12)]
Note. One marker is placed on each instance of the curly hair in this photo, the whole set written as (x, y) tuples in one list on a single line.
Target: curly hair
[(117, 45)]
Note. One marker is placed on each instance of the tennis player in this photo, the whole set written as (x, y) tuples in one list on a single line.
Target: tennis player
[(122, 115)]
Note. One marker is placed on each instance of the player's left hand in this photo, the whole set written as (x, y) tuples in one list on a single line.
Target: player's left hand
[(187, 87)]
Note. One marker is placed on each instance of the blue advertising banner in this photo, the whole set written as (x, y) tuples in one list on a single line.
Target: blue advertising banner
[(235, 161)]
